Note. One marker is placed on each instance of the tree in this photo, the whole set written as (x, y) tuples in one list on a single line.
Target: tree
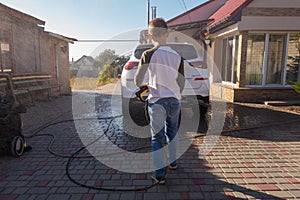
[(118, 64), (104, 74), (107, 56), (293, 73), (111, 69)]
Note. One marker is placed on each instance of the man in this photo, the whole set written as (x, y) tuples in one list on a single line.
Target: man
[(166, 82)]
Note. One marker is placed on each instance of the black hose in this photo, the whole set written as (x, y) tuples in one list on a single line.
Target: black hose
[(74, 155), (71, 158)]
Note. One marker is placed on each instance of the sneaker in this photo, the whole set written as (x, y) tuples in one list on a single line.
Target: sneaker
[(158, 180), (173, 167)]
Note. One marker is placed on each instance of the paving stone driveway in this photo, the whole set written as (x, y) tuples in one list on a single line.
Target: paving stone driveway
[(249, 163)]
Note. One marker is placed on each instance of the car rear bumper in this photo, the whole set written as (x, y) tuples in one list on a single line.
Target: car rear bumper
[(195, 100)]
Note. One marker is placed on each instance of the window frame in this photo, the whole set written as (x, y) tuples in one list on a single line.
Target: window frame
[(265, 59), (234, 61)]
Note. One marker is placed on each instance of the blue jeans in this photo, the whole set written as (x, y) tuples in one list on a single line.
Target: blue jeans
[(164, 115)]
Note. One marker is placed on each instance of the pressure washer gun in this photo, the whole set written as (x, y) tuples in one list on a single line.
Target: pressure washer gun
[(140, 94)]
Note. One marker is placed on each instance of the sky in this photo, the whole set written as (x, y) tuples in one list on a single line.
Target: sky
[(99, 20)]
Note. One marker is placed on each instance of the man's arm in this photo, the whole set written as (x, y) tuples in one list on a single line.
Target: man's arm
[(141, 71)]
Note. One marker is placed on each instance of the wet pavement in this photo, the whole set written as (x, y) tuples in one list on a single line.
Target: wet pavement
[(257, 156)]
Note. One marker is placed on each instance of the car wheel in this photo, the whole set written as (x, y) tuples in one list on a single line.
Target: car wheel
[(17, 146), (204, 118)]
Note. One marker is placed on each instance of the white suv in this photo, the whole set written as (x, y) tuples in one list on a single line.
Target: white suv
[(195, 93)]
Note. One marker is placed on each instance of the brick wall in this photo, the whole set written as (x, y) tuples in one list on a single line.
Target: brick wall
[(31, 48), (231, 94), (271, 11), (219, 91), (262, 94)]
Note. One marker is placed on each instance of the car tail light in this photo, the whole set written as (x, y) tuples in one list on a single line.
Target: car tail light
[(201, 79), (131, 65), (200, 64)]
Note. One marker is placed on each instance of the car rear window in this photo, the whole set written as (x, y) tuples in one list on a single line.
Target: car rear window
[(140, 50), (186, 51)]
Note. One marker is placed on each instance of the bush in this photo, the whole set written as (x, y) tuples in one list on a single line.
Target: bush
[(104, 75)]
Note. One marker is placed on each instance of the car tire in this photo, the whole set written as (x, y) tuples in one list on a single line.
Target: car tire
[(17, 146), (204, 118)]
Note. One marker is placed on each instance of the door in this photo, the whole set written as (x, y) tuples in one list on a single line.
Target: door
[(54, 68)]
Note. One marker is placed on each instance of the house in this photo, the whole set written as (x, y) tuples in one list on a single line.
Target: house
[(84, 66), (28, 51), (255, 45)]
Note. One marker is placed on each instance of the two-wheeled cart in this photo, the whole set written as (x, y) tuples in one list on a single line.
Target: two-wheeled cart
[(12, 140)]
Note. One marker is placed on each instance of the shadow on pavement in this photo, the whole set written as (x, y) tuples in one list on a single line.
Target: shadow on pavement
[(203, 184), (259, 123), (194, 179)]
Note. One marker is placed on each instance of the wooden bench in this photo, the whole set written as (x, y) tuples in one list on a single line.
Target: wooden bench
[(5, 85), (16, 92), (36, 83), (45, 87), (33, 84), (30, 84)]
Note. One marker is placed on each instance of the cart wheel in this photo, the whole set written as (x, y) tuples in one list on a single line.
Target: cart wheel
[(17, 146)]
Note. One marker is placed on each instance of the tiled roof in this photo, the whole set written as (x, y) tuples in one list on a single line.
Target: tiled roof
[(199, 13), (228, 11), (68, 39), (20, 15), (84, 57)]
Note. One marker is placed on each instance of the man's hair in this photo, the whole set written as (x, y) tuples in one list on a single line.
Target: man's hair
[(157, 27)]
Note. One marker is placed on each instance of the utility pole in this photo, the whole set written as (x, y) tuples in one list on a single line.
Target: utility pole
[(148, 11)]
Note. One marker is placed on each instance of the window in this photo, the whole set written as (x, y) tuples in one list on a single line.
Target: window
[(272, 59), (293, 59), (229, 59), (275, 59), (186, 51), (255, 59), (5, 49)]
